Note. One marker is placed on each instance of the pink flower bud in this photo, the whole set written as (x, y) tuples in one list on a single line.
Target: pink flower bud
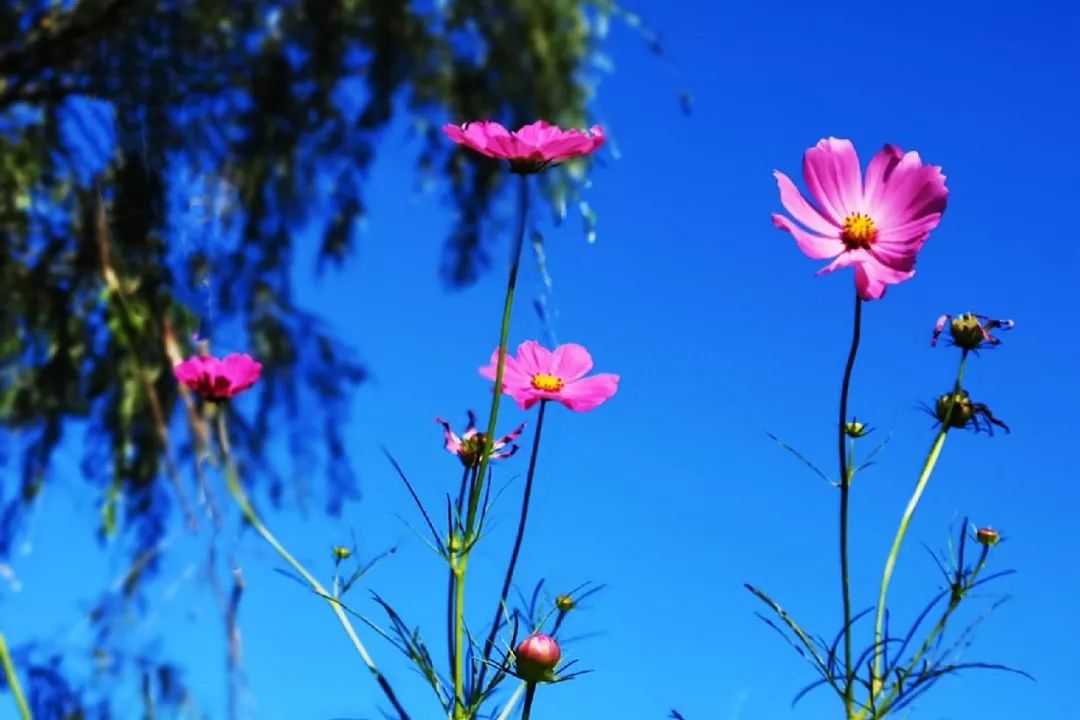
[(536, 658), (987, 537)]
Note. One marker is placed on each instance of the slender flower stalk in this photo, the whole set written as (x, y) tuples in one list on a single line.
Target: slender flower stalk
[(13, 681), (454, 546), (496, 622), (909, 512), (504, 339), (460, 562), (242, 500), (845, 490), (959, 591), (530, 695)]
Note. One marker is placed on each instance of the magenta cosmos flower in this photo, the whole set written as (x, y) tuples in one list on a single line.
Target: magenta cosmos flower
[(530, 149), (877, 223), (468, 446), (537, 373), (215, 379)]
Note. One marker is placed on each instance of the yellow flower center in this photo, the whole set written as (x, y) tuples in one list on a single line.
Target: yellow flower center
[(858, 232), (547, 383)]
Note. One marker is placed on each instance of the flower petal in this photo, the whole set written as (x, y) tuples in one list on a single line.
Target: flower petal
[(800, 209), (877, 174), (831, 172), (512, 372), (899, 246), (588, 393), (242, 372), (872, 278), (533, 358), (815, 246), (570, 362), (896, 257), (911, 191), (848, 257), (525, 397), (536, 133), (452, 442)]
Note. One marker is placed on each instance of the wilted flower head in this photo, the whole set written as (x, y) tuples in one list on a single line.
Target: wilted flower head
[(536, 657), (537, 373), (958, 410), (530, 149), (878, 223), (970, 331), (215, 379), (987, 537), (469, 446)]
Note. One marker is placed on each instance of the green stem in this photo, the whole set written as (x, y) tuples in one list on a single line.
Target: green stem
[(937, 630), (500, 364), (13, 681), (458, 569), (909, 512), (512, 702), (845, 488), (476, 488), (530, 693), (508, 580), (451, 590), (238, 493)]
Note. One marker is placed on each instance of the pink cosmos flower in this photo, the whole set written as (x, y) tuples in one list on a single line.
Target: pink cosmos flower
[(537, 373), (530, 149), (468, 446), (877, 223), (215, 379)]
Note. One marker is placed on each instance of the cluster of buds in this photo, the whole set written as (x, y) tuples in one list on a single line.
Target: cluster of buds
[(970, 331)]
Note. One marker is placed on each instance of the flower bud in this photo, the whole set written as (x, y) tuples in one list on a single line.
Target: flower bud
[(958, 410), (536, 658), (961, 413), (564, 603), (342, 553), (456, 542), (856, 429), (987, 537)]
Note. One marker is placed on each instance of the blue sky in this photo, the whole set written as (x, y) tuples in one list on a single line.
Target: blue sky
[(671, 494)]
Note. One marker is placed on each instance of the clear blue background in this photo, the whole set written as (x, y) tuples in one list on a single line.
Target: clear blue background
[(671, 494)]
